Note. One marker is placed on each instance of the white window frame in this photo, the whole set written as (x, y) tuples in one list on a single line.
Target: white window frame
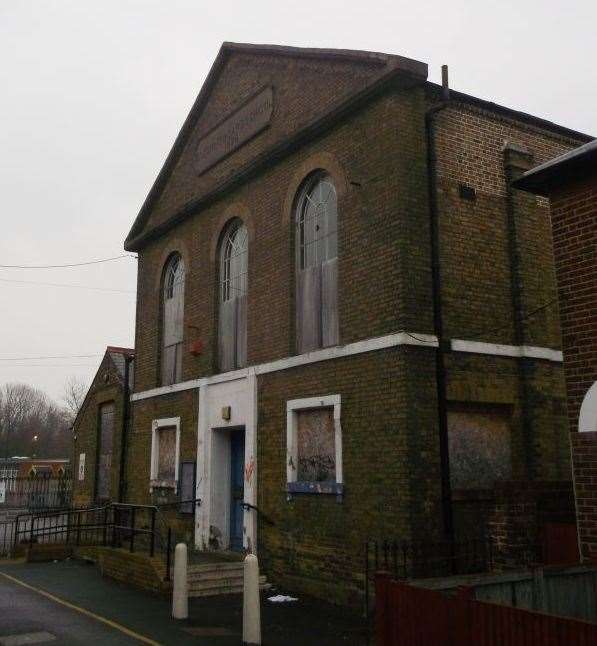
[(310, 403), (157, 424)]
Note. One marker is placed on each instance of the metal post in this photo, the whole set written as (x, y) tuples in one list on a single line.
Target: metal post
[(114, 523), (367, 580), (31, 531), (152, 543), (16, 536), (78, 528), (132, 548), (105, 537), (168, 548)]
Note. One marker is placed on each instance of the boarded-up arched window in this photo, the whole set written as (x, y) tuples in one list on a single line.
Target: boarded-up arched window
[(173, 323), (232, 335), (316, 222)]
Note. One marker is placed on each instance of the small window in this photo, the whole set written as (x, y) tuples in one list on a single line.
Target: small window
[(314, 445), (173, 320), (232, 333), (187, 487), (316, 222), (165, 447)]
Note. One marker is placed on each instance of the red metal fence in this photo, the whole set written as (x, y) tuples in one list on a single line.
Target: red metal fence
[(411, 616)]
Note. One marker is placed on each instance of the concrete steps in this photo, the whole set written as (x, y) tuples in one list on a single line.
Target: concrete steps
[(218, 578)]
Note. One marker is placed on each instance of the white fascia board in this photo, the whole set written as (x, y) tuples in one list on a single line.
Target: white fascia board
[(336, 352), (501, 350)]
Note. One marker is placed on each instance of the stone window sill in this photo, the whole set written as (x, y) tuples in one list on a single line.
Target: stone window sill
[(316, 488), (162, 484)]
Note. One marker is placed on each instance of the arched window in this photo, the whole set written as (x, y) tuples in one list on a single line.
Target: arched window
[(232, 336), (173, 323), (316, 222)]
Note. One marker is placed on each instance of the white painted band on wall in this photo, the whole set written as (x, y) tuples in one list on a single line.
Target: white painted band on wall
[(500, 350), (359, 347)]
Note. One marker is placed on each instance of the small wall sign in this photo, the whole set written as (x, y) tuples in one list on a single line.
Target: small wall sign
[(240, 126), (82, 466)]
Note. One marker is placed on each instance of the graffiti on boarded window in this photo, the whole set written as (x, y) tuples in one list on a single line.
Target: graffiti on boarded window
[(316, 445), (480, 448)]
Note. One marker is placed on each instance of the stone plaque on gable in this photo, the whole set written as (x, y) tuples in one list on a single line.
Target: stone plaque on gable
[(238, 128)]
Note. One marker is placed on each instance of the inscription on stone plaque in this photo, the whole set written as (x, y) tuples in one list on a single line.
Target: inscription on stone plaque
[(242, 125)]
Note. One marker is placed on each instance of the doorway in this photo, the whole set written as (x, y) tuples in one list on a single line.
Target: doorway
[(237, 488)]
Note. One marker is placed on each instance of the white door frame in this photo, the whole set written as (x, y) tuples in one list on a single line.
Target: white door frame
[(241, 396)]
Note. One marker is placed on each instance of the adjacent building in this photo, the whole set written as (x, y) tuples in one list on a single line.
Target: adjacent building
[(347, 324), (99, 438), (570, 182)]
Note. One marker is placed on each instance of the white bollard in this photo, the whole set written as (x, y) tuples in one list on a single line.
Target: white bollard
[(180, 590), (251, 605)]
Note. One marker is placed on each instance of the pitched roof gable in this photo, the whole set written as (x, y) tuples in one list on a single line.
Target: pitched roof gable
[(334, 77)]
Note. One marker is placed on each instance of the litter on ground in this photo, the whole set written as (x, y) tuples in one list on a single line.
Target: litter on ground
[(281, 598)]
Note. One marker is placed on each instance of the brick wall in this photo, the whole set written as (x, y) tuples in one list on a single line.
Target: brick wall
[(106, 387), (183, 405), (574, 223), (390, 203), (584, 447)]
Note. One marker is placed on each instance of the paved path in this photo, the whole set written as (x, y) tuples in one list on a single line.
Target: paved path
[(72, 601)]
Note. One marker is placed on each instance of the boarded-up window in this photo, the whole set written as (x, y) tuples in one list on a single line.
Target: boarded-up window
[(187, 487), (316, 446), (104, 462), (173, 323), (166, 454), (480, 447), (317, 265), (232, 333)]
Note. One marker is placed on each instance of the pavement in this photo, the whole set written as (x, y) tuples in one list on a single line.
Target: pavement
[(69, 602)]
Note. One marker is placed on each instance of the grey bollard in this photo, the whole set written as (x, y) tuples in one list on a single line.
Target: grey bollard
[(180, 590), (251, 604)]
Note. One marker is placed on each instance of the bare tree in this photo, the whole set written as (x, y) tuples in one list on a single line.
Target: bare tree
[(20, 406), (75, 390)]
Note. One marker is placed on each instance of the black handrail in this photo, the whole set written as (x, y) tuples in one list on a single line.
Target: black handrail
[(90, 526), (248, 506)]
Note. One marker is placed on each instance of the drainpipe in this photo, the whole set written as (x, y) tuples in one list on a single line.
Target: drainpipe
[(124, 434), (440, 368)]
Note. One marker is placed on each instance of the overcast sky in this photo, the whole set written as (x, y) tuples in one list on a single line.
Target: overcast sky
[(92, 95)]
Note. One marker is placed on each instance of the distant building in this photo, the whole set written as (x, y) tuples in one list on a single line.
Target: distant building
[(98, 431), (570, 182), (24, 467)]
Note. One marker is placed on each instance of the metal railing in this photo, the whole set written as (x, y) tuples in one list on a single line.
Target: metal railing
[(111, 525), (424, 559), (35, 492)]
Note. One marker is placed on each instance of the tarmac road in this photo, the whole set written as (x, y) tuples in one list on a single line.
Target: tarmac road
[(28, 617)]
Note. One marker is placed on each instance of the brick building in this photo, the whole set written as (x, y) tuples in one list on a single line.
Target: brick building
[(98, 431), (342, 328), (570, 182)]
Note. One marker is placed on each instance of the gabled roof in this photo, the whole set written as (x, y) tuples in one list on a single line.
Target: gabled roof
[(385, 65), (117, 356), (573, 164)]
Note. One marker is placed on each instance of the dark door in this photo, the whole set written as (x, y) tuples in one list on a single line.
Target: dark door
[(237, 489), (104, 460)]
